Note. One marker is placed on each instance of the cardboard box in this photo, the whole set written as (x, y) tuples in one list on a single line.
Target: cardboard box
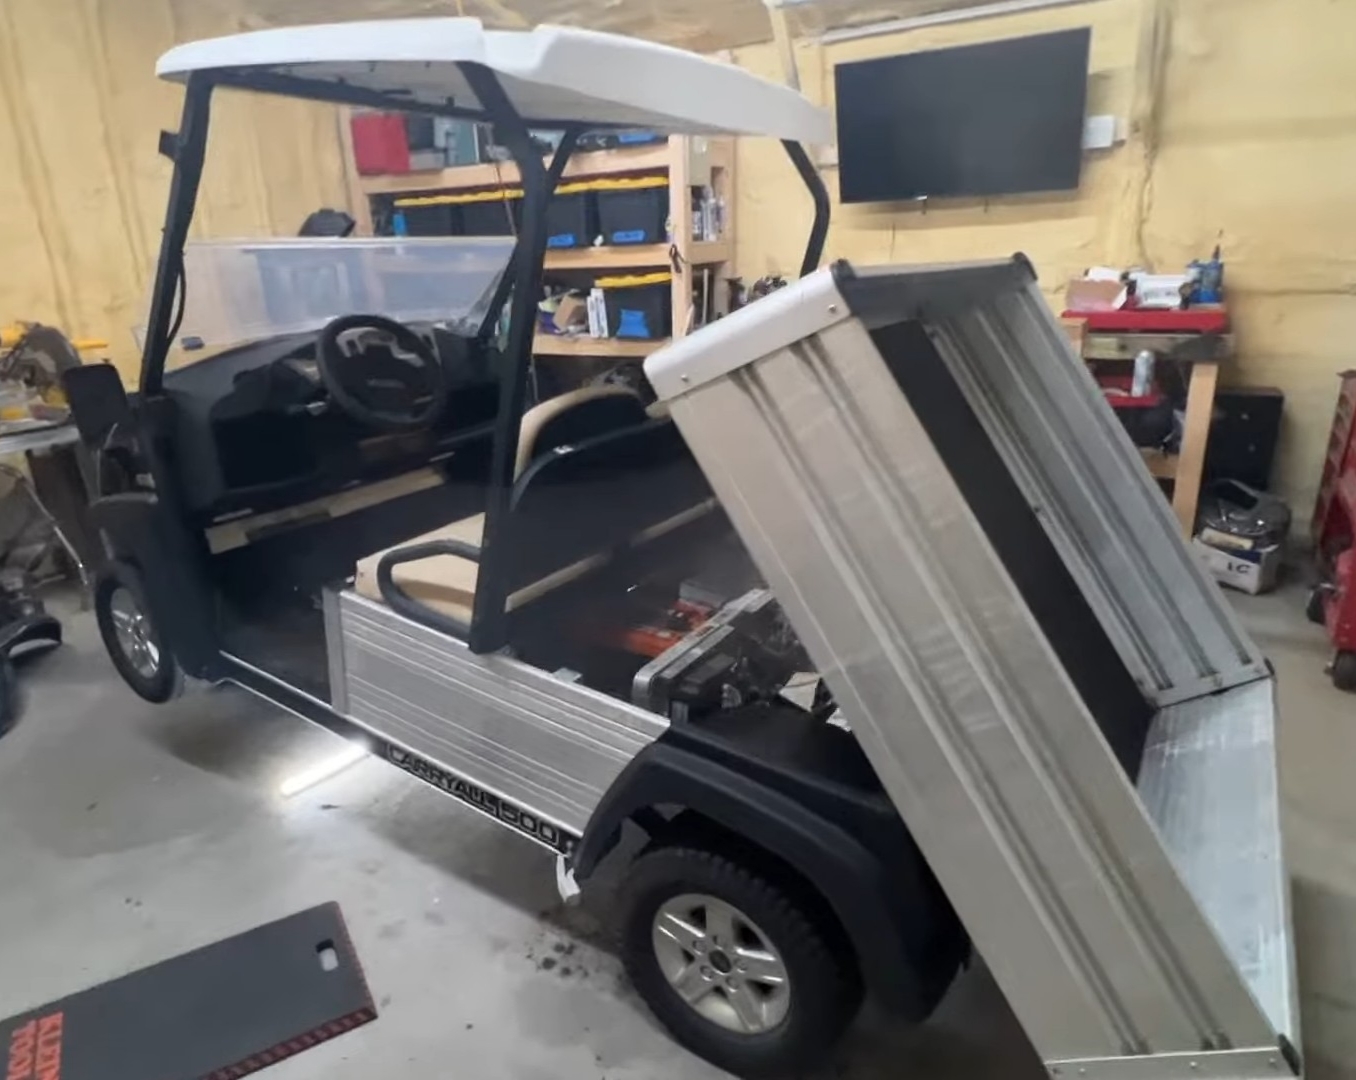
[(571, 313), (1249, 571), (1084, 295)]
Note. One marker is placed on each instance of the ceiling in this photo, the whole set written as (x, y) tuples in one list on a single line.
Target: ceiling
[(700, 25)]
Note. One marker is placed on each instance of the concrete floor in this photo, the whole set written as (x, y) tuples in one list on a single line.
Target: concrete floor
[(130, 833)]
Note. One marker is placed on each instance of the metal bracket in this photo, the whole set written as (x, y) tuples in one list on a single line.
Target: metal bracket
[(1255, 1063)]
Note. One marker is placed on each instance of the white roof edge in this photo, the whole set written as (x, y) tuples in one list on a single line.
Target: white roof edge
[(551, 73)]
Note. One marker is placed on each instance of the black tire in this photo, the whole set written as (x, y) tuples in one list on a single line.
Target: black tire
[(1313, 607), (9, 696), (825, 987), (1344, 671), (162, 680)]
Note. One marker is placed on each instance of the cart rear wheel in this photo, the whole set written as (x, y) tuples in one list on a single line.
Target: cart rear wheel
[(738, 969), (134, 642), (1344, 670)]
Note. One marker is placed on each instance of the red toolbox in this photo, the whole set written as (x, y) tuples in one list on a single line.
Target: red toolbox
[(380, 143), (1333, 601)]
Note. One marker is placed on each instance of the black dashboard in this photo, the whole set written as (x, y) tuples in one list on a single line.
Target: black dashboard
[(256, 429)]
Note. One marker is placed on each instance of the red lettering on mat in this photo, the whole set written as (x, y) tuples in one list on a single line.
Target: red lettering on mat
[(48, 1063), (22, 1041)]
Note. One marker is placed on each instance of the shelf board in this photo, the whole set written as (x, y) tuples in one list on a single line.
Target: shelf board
[(650, 158), (604, 258), (551, 345), (1186, 347)]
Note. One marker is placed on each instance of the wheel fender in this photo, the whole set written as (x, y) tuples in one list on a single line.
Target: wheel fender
[(851, 878), (168, 572)]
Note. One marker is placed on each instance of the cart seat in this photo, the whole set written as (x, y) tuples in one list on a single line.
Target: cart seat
[(447, 583), (570, 417)]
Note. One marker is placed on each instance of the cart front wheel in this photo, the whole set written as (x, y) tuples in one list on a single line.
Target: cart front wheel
[(1344, 670), (134, 642), (738, 968)]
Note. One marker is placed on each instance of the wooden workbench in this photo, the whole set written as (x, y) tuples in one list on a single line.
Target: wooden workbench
[(1203, 353)]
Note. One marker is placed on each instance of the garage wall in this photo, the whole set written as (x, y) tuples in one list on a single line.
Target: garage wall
[(1242, 129), (82, 190)]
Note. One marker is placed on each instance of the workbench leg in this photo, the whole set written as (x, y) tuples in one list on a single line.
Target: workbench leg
[(1200, 407)]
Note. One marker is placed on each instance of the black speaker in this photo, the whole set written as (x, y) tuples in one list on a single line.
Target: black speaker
[(1243, 434)]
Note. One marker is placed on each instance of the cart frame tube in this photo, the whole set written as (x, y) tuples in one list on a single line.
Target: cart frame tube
[(190, 149)]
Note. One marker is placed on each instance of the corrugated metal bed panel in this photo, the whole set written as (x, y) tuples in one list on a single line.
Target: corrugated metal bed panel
[(1077, 467)]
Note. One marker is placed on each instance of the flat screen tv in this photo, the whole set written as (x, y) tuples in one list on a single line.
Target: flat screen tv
[(993, 119)]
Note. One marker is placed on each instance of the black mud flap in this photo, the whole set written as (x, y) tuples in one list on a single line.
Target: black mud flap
[(220, 1012)]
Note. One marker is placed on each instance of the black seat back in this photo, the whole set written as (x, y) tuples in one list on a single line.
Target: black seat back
[(598, 496)]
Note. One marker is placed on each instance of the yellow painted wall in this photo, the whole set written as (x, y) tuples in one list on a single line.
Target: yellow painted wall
[(1243, 128), (82, 190)]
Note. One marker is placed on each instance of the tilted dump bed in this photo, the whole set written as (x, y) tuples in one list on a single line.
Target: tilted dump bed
[(1073, 725)]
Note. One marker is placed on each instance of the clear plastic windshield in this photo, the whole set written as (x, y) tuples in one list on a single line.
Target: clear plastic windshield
[(240, 291)]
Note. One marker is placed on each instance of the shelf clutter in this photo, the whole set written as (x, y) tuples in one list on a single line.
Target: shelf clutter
[(640, 228)]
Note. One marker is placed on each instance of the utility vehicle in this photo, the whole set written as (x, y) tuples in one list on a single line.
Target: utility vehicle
[(874, 630)]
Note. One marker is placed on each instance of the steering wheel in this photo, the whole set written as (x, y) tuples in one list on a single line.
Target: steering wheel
[(403, 390)]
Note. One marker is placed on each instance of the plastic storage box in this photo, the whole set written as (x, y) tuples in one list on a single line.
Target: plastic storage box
[(572, 216), (639, 306), (430, 215), (380, 144), (489, 213), (633, 210)]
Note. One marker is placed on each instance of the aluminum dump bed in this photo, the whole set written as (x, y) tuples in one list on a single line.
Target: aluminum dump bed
[(1060, 703)]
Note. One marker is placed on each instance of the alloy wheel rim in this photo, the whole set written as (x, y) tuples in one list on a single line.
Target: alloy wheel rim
[(133, 630), (721, 963)]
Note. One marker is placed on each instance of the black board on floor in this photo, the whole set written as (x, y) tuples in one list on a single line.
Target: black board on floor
[(220, 1012)]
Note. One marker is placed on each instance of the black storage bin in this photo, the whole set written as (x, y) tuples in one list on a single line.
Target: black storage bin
[(639, 306), (571, 217), (433, 216), (633, 210), (491, 213)]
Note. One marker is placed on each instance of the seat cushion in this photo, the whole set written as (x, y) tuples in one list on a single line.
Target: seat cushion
[(446, 583)]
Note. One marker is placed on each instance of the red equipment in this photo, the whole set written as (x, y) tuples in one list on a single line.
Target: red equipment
[(1333, 602), (380, 143)]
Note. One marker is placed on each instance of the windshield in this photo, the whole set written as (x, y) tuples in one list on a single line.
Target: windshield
[(242, 291)]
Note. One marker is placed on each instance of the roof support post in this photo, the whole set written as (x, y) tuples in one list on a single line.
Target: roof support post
[(525, 277), (189, 148)]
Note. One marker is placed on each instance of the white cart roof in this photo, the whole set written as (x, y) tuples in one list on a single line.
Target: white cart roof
[(551, 74)]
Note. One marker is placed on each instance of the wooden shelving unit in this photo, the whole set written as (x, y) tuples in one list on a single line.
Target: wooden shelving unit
[(653, 158), (616, 348), (687, 161), (701, 253)]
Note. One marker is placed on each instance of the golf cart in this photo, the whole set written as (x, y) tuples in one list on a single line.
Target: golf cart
[(874, 632)]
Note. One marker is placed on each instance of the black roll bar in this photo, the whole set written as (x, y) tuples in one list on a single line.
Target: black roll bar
[(489, 616), (819, 231), (502, 290), (189, 148)]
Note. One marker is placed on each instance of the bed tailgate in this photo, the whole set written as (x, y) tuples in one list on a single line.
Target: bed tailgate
[(1060, 703)]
